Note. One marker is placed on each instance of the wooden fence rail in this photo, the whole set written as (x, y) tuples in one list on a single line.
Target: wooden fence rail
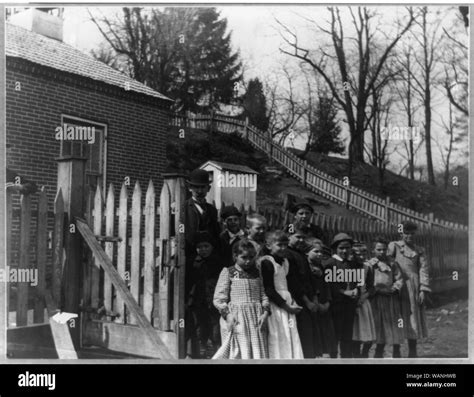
[(34, 244), (325, 185)]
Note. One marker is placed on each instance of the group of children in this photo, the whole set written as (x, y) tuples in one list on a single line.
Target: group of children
[(253, 294)]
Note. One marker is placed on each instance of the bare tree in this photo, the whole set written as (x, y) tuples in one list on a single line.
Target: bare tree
[(284, 109), (356, 79), (456, 65), (378, 152), (429, 38), (403, 86), (446, 152)]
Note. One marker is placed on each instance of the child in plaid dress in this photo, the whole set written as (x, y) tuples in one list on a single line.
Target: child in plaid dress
[(240, 298)]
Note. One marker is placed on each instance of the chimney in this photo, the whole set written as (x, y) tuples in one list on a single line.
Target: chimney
[(40, 21)]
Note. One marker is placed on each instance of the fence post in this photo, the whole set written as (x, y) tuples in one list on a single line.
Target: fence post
[(211, 121), (304, 172), (71, 179), (348, 196), (270, 144), (430, 221), (180, 207), (387, 210), (246, 128)]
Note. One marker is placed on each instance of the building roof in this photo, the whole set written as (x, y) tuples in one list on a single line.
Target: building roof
[(229, 167), (42, 50)]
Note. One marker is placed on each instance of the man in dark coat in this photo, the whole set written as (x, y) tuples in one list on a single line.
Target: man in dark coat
[(200, 217)]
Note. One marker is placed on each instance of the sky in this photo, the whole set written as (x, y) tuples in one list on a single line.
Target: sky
[(256, 36)]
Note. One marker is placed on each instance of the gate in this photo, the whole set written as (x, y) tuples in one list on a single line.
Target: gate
[(118, 264), (133, 282)]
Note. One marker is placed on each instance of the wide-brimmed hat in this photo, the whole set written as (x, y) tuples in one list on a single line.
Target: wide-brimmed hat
[(338, 238), (409, 226), (204, 237), (301, 204), (230, 210), (199, 178)]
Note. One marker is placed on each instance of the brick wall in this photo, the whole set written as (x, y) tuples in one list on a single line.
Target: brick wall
[(136, 129), (136, 126)]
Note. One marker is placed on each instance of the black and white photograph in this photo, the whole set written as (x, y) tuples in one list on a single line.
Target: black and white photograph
[(223, 183)]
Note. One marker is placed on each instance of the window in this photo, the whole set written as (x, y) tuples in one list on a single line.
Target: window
[(86, 138)]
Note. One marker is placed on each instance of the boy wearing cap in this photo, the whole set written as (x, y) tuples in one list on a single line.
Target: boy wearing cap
[(301, 288), (203, 316), (344, 293), (415, 271), (232, 233), (302, 220)]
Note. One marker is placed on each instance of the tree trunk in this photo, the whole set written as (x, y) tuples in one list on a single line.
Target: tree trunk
[(429, 158)]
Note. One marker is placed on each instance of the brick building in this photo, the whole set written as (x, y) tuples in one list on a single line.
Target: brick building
[(51, 85)]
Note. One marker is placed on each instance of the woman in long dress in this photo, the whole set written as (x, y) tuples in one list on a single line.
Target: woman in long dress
[(415, 271)]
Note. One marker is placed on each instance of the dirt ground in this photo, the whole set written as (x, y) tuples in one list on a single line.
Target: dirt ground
[(447, 329)]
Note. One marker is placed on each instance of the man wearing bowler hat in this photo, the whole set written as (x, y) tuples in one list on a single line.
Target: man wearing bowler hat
[(200, 215)]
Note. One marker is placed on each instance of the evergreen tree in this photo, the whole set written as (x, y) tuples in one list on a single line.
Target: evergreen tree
[(184, 53), (324, 129), (255, 105)]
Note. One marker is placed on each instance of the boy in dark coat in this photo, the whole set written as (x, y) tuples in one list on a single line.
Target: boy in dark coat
[(231, 235), (203, 318), (303, 212), (300, 287)]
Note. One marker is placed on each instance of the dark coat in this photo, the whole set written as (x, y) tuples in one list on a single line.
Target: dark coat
[(196, 222), (226, 248)]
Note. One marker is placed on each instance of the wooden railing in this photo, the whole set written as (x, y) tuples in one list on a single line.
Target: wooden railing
[(321, 183)]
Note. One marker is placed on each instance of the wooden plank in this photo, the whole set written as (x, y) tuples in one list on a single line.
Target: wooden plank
[(109, 246), (149, 246), (164, 276), (180, 201), (9, 249), (126, 338), (135, 244), (122, 248), (58, 236), (94, 269), (41, 244), (61, 334), (22, 287), (106, 264)]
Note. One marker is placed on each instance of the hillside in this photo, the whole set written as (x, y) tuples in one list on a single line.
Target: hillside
[(185, 155), (450, 204), (201, 146)]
